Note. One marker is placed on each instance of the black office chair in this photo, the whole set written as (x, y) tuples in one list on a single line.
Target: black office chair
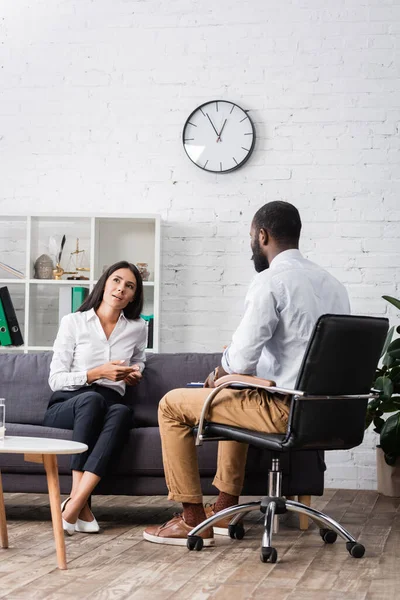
[(327, 412)]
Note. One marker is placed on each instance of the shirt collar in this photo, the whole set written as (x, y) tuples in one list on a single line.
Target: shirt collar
[(90, 314), (291, 254)]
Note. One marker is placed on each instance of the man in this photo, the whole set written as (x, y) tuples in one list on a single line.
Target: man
[(283, 303)]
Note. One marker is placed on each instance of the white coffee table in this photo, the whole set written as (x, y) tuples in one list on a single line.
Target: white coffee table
[(41, 450)]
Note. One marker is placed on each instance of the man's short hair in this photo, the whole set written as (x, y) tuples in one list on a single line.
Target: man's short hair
[(281, 220)]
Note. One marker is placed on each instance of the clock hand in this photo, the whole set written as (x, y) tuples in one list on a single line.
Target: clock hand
[(212, 124), (219, 135)]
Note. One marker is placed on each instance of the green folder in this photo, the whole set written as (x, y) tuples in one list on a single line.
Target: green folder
[(5, 337), (78, 295)]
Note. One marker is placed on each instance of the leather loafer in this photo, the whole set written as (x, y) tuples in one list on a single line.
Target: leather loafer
[(175, 532)]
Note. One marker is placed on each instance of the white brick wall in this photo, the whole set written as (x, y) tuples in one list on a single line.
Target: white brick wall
[(93, 99)]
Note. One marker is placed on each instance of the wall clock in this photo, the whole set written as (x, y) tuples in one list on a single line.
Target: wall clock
[(219, 136)]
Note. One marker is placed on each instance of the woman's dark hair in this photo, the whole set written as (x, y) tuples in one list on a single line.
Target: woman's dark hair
[(281, 220), (134, 308)]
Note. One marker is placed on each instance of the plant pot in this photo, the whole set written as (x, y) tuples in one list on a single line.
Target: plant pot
[(388, 477)]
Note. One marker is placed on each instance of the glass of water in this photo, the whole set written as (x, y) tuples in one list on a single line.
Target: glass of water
[(2, 419)]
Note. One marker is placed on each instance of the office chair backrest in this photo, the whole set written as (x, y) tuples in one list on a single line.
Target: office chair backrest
[(340, 359)]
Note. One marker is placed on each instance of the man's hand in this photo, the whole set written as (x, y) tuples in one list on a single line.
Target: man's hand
[(213, 376)]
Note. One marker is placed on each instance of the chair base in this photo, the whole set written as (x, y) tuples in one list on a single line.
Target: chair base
[(271, 506)]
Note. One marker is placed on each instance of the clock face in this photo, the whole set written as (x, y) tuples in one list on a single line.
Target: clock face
[(219, 136)]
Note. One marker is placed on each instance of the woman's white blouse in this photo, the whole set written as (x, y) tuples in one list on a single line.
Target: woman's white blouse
[(81, 345)]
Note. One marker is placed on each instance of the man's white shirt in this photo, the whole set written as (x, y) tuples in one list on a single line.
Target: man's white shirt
[(282, 306)]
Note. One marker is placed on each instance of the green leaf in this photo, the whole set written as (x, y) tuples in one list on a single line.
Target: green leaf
[(389, 361), (390, 459), (373, 404), (390, 435), (387, 387), (394, 374), (378, 424), (387, 341), (378, 384), (393, 301), (368, 420), (394, 349)]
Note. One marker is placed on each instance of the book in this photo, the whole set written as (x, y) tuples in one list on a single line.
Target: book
[(5, 337), (11, 270), (11, 317), (78, 295)]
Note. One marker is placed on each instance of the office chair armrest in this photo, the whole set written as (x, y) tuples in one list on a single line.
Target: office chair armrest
[(244, 379), (238, 381)]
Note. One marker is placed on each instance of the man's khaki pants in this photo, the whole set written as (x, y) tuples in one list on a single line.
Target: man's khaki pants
[(180, 410)]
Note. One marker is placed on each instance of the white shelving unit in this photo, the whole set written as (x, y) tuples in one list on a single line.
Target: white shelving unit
[(106, 239)]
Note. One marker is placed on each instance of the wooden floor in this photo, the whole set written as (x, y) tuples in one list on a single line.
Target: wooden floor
[(118, 563)]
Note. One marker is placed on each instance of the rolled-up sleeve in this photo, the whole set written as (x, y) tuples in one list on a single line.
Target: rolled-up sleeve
[(61, 377), (139, 354), (255, 329)]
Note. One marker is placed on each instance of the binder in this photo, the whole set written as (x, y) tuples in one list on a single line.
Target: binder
[(78, 296), (150, 329), (5, 337), (11, 317)]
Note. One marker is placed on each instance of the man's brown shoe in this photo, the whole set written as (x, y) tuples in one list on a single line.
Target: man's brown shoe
[(221, 527), (175, 533)]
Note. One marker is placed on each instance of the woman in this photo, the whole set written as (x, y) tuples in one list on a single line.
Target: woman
[(98, 351)]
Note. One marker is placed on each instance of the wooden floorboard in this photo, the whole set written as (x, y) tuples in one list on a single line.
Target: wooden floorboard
[(118, 564)]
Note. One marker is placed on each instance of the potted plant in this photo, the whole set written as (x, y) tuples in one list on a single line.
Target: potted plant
[(387, 382)]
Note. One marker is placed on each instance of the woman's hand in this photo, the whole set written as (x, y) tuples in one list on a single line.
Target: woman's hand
[(134, 377), (114, 371)]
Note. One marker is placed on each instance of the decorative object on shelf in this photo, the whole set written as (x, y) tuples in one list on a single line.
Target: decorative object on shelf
[(77, 261), (219, 136), (58, 272), (143, 270), (43, 267), (11, 270)]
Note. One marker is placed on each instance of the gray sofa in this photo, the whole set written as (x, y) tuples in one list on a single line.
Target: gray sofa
[(139, 471)]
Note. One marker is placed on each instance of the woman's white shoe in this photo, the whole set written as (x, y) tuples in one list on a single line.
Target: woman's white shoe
[(87, 526), (69, 528)]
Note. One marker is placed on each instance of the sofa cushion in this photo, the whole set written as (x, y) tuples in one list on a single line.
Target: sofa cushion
[(24, 385), (141, 454), (165, 372)]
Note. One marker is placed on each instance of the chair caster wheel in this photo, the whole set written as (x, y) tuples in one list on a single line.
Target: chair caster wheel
[(195, 542), (236, 532), (356, 550), (268, 554), (328, 535)]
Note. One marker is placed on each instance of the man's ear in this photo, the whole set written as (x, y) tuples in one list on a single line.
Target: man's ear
[(263, 237)]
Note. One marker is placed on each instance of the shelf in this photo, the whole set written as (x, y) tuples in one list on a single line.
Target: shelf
[(77, 282), (12, 281), (105, 238)]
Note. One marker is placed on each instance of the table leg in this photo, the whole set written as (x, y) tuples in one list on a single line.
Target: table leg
[(50, 464), (303, 518), (3, 522)]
